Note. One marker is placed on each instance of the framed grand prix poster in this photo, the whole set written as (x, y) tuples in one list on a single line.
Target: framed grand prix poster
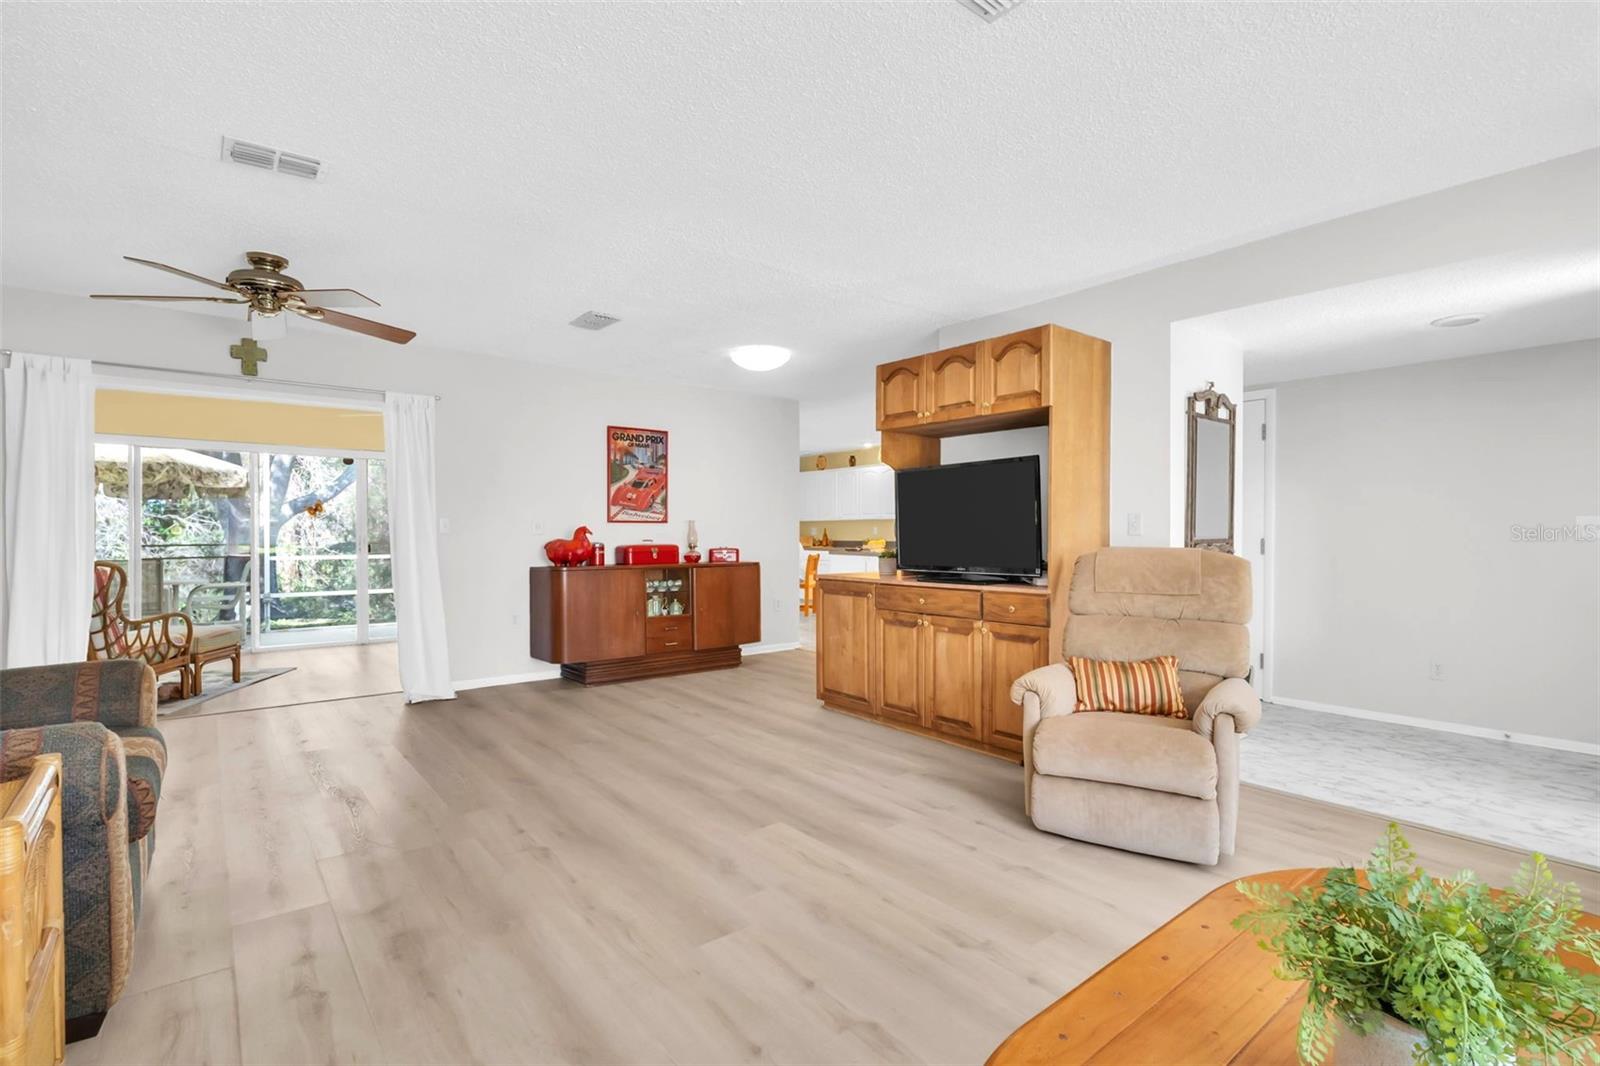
[(636, 474)]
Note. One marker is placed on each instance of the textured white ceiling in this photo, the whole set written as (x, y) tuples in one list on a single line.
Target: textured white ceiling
[(842, 178), (1538, 297)]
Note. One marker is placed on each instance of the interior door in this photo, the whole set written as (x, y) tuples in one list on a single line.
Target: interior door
[(1256, 497), (1009, 652), (952, 675), (897, 642), (953, 383)]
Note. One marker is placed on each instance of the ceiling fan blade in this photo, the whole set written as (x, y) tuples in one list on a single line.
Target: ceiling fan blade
[(180, 273), (168, 299), (360, 325), (337, 298)]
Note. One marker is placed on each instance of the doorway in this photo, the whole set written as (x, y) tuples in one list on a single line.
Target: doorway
[(292, 546), (1257, 543)]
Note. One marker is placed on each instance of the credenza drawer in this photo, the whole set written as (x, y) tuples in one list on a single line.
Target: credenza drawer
[(954, 603), (668, 624), (1025, 609), (655, 644)]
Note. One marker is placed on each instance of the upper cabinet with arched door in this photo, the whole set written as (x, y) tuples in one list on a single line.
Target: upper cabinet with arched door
[(1015, 373), (903, 393), (999, 376)]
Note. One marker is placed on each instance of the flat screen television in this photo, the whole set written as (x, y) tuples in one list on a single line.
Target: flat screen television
[(973, 521)]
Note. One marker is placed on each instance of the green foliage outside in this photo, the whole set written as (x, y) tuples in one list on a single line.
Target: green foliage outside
[(1474, 970), (204, 536)]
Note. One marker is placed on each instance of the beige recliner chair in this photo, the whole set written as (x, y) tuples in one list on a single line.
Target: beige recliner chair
[(1163, 786)]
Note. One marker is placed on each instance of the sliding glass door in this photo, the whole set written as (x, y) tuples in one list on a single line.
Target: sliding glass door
[(293, 546)]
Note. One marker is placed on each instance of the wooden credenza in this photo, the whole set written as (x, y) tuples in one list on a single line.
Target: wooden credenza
[(932, 657), (597, 622)]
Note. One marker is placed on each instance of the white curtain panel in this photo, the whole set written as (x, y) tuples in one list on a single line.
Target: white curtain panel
[(49, 511), (414, 532)]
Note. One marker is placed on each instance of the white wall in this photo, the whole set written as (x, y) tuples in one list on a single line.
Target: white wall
[(1398, 495), (1550, 206), (520, 454)]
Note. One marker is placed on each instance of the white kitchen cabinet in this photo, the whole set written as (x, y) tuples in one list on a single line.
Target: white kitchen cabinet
[(851, 493)]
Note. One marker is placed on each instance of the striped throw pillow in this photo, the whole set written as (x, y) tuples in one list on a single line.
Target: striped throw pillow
[(1146, 687)]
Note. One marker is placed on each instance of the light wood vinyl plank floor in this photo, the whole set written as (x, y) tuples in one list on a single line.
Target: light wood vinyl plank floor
[(336, 672), (701, 869)]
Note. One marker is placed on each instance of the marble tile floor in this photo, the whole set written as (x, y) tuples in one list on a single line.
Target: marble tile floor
[(1514, 794)]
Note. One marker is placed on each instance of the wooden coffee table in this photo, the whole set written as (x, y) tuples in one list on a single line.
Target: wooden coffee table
[(1196, 990)]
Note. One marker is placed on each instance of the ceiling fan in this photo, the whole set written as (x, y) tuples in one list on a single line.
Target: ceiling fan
[(267, 291)]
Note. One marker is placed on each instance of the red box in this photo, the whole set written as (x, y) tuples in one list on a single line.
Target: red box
[(647, 554), (722, 555)]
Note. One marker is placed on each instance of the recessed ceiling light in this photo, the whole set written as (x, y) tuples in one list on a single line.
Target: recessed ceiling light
[(760, 357), (1471, 318)]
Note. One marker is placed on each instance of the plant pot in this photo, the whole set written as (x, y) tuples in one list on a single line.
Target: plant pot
[(1390, 1044), (888, 566)]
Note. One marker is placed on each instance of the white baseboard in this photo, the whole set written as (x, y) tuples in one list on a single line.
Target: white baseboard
[(1534, 740), (766, 649), (551, 672), (548, 673)]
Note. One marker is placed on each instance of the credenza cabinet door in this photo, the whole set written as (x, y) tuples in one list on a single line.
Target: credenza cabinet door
[(1009, 651), (898, 653), (902, 393), (953, 384), (845, 635), (599, 614), (727, 605), (952, 676), (1015, 373)]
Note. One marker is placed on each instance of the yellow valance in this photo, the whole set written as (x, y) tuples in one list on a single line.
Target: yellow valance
[(174, 416)]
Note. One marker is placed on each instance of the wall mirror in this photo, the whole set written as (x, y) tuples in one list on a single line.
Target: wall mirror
[(1211, 447)]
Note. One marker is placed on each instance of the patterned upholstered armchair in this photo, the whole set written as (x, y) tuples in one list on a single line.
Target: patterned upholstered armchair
[(100, 718), (160, 641)]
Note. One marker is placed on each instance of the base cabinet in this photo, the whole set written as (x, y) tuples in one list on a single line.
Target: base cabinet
[(844, 619), (897, 643), (952, 676), (921, 655), (1009, 651)]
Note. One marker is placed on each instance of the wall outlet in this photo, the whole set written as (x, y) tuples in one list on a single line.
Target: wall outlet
[(516, 618), (1436, 671), (1135, 524), (444, 525)]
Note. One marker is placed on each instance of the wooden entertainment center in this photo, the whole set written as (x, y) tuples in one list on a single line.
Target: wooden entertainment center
[(600, 622), (939, 657)]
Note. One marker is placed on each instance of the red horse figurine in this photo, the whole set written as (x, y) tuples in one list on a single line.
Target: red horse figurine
[(579, 551)]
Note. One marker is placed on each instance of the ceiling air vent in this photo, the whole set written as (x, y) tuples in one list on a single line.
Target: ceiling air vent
[(989, 9), (260, 156), (594, 320)]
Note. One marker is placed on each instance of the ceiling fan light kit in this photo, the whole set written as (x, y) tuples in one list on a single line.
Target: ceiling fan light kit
[(267, 291)]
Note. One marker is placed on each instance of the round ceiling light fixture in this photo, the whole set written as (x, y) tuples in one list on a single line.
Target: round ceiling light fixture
[(1471, 318), (760, 357)]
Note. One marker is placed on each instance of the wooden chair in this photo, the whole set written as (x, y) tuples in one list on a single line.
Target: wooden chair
[(33, 964), (217, 638), (161, 641), (808, 585)]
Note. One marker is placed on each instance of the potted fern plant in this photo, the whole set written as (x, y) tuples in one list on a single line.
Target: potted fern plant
[(1401, 968)]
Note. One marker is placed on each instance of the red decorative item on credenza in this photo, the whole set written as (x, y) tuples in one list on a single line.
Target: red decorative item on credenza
[(722, 555), (647, 554), (577, 551)]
